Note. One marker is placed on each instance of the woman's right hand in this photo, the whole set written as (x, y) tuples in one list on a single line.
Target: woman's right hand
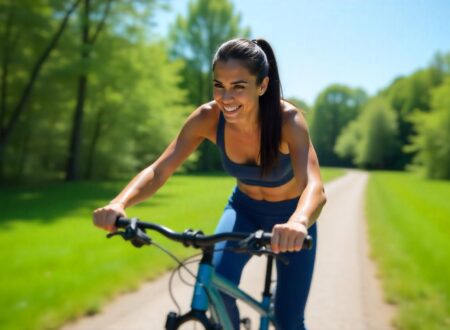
[(105, 217)]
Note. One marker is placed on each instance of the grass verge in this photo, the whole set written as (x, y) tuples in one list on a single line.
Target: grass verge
[(409, 233)]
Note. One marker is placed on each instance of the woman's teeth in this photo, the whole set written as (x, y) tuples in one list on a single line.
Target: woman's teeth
[(231, 109)]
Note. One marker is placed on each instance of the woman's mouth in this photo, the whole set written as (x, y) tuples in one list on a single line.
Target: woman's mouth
[(231, 109)]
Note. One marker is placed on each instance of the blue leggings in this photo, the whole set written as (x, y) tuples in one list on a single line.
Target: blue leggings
[(243, 214)]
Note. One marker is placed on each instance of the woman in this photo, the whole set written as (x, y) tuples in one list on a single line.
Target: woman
[(264, 143)]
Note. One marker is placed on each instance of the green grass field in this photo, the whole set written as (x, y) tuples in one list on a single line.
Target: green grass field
[(409, 221), (57, 266)]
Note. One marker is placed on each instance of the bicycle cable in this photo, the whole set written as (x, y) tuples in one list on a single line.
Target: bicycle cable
[(177, 270), (182, 264)]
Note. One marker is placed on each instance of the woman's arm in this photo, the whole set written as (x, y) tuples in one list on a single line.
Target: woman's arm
[(198, 126), (313, 196), (290, 235)]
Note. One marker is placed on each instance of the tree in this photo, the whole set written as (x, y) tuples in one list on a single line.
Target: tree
[(89, 36), (134, 109), (134, 105), (17, 18), (195, 39), (405, 95), (431, 140), (346, 145), (334, 108), (371, 139), (378, 135)]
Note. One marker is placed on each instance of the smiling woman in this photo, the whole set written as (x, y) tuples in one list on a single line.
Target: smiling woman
[(264, 143), (236, 89)]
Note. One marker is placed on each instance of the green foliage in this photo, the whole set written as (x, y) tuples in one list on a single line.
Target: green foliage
[(407, 94), (134, 105), (347, 143), (334, 108), (194, 39), (431, 141), (410, 98), (370, 140), (409, 230), (28, 27), (133, 110), (379, 133)]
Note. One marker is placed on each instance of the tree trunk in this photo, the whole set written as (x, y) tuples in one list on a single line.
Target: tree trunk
[(73, 162), (93, 146), (23, 156), (73, 167)]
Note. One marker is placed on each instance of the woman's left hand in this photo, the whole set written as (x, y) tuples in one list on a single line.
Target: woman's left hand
[(288, 237)]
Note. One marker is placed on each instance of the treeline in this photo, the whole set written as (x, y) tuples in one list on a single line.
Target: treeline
[(88, 92), (406, 125)]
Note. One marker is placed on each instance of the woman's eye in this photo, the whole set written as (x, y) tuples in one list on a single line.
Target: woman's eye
[(218, 86), (239, 87)]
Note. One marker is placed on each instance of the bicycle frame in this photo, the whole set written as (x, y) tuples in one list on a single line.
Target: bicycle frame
[(207, 296), (209, 284)]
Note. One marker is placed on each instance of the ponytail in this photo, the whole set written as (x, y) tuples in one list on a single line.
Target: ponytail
[(270, 113)]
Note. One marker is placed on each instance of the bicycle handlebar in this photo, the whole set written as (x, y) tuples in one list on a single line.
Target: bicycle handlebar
[(197, 239)]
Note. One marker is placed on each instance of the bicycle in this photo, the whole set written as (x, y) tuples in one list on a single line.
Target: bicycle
[(207, 308)]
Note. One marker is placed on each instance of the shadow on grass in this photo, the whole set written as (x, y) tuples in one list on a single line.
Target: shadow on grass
[(47, 203), (53, 201)]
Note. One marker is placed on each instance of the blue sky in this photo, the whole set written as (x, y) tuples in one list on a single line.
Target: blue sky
[(359, 43)]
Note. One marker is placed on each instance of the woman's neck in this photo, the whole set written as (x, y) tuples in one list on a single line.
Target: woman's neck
[(248, 125)]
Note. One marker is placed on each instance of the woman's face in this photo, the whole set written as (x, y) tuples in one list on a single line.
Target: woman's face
[(236, 91)]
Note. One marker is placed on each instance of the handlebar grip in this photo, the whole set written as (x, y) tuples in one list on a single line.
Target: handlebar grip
[(121, 222)]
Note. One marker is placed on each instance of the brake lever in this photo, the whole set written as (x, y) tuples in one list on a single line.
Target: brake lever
[(264, 250), (120, 233), (253, 245), (133, 233)]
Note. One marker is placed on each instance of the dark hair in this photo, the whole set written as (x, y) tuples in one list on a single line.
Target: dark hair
[(258, 57)]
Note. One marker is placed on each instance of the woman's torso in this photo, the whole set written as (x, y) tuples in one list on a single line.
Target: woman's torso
[(242, 148)]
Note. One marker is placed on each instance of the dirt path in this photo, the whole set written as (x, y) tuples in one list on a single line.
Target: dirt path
[(345, 293)]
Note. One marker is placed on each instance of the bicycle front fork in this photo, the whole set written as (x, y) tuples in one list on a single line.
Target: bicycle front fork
[(174, 321)]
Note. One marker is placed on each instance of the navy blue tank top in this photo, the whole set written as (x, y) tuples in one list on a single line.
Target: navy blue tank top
[(251, 174)]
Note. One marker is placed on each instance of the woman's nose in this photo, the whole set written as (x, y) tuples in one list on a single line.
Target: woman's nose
[(227, 96)]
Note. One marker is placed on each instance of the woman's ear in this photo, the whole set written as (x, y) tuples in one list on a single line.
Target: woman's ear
[(263, 86)]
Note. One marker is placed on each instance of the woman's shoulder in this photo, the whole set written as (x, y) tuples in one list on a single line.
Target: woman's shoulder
[(293, 122), (292, 116), (205, 119), (207, 112)]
